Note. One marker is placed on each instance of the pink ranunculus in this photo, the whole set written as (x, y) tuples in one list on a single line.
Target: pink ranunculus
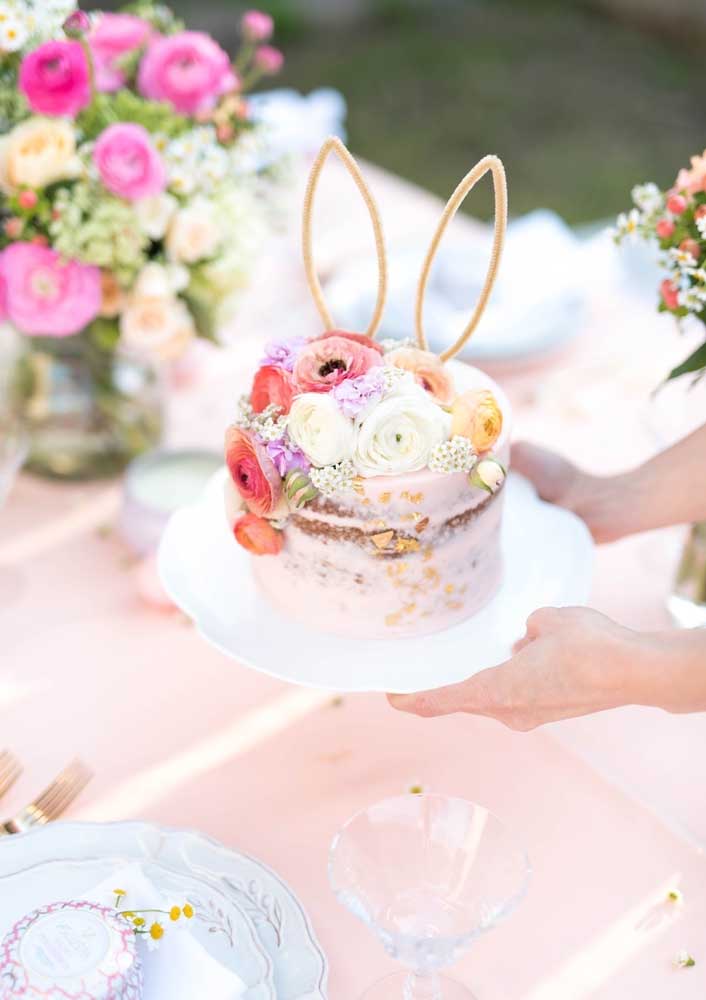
[(325, 363), (55, 78), (269, 59), (253, 472), (189, 70), (670, 294), (115, 36), (257, 26), (46, 295), (128, 163)]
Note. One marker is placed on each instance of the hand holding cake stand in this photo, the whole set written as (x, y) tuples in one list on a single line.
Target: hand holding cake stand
[(367, 488)]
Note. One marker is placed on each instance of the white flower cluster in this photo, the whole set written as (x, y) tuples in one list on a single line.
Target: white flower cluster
[(627, 225), (333, 479), (456, 455), (266, 424), (648, 198), (391, 344), (26, 23)]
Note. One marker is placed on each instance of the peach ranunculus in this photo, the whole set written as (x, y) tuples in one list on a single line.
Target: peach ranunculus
[(258, 536), (253, 472), (429, 371), (38, 152), (327, 362), (157, 325), (476, 415), (272, 385), (692, 179)]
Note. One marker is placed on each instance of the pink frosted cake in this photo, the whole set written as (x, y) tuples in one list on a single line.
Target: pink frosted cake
[(366, 478)]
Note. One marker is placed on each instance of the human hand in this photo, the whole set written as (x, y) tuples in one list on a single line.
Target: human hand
[(608, 505), (571, 662)]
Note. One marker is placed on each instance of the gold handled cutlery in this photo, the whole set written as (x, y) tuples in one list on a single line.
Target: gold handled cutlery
[(10, 770), (53, 801)]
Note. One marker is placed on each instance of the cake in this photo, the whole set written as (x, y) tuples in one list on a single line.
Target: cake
[(366, 479)]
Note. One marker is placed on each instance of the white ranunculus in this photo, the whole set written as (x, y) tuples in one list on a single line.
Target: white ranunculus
[(399, 433), (194, 233), (154, 214), (319, 428)]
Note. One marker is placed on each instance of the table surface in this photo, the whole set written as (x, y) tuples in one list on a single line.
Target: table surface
[(611, 808)]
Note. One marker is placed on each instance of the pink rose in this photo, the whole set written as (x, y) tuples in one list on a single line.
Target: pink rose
[(128, 163), (670, 294), (55, 79), (257, 26), (115, 36), (269, 60), (253, 472), (325, 363), (189, 70), (46, 295)]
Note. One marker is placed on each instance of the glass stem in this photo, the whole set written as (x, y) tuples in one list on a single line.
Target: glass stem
[(422, 986)]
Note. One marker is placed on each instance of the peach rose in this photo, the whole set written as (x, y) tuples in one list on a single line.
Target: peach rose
[(258, 536), (327, 362), (253, 472), (428, 370), (692, 179), (39, 152), (272, 385), (476, 415)]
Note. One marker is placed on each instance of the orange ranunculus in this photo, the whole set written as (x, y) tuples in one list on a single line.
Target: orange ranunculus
[(258, 536), (253, 472), (476, 415), (272, 385), (428, 370)]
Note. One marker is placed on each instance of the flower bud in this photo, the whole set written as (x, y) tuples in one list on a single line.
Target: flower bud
[(488, 475), (665, 228), (676, 203), (77, 24)]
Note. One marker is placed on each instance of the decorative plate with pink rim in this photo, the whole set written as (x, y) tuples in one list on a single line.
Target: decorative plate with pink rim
[(548, 556)]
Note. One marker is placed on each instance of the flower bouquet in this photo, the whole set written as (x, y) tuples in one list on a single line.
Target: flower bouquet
[(131, 209)]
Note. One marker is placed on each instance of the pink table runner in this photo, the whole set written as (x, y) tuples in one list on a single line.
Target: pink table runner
[(610, 808)]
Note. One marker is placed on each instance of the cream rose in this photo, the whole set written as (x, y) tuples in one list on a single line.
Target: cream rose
[(157, 325), (160, 281), (319, 428), (38, 152), (154, 214), (399, 433), (194, 233)]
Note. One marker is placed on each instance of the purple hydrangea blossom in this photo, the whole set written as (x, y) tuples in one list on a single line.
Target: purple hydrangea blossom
[(286, 456), (354, 394), (283, 353)]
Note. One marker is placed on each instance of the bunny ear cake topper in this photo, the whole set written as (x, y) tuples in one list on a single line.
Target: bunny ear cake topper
[(493, 165), (334, 145)]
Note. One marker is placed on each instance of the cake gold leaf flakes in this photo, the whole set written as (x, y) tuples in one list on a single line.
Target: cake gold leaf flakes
[(358, 487), (449, 588), (385, 497), (421, 525), (428, 553), (383, 539), (407, 545), (393, 619), (415, 498)]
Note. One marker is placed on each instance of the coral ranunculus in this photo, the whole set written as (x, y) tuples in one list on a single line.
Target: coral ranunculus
[(253, 472), (55, 78), (358, 338), (128, 163), (324, 363), (46, 295), (188, 70), (115, 36), (476, 415), (428, 370), (258, 536), (670, 294), (272, 385)]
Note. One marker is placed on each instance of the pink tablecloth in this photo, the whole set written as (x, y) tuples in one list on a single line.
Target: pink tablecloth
[(611, 808)]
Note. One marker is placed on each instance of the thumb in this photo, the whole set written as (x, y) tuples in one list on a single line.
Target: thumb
[(440, 701)]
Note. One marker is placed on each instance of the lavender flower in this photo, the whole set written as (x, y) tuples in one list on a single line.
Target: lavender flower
[(354, 394), (283, 353), (286, 456)]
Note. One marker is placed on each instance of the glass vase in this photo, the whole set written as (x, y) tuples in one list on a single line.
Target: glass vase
[(87, 411), (687, 602)]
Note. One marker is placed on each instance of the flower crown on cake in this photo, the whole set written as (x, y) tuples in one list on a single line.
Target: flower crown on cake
[(326, 412)]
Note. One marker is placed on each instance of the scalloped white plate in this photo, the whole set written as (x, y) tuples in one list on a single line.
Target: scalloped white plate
[(548, 561)]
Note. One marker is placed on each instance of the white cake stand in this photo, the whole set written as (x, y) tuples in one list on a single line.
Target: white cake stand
[(548, 561)]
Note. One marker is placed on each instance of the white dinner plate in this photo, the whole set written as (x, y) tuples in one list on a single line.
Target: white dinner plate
[(548, 556), (245, 916)]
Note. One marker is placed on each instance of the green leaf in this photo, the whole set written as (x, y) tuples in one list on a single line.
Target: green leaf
[(125, 106), (694, 363)]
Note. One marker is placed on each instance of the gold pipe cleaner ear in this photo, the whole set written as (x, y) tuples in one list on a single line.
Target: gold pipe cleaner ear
[(495, 166), (335, 145)]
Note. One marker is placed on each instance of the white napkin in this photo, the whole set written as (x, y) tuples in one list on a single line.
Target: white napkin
[(180, 968)]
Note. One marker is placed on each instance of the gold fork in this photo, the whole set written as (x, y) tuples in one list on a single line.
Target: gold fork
[(10, 770), (53, 801)]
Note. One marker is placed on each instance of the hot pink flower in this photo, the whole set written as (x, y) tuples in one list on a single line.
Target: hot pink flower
[(269, 59), (322, 364), (128, 163), (114, 36), (253, 472), (48, 296), (257, 26), (188, 70), (670, 294), (55, 79)]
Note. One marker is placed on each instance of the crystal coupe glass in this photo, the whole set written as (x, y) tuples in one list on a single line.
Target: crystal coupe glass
[(428, 874)]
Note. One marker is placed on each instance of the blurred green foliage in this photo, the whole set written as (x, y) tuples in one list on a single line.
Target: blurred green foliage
[(579, 106)]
